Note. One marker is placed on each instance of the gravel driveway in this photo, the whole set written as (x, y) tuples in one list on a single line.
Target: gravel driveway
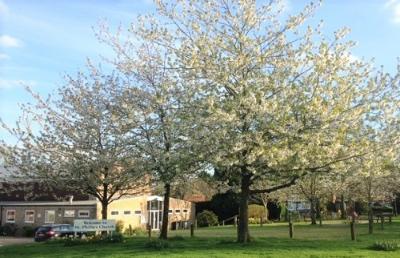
[(15, 240)]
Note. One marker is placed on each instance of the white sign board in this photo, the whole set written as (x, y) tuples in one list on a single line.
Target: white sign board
[(85, 225)]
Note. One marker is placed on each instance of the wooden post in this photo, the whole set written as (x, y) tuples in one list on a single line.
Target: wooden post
[(235, 221), (149, 230), (130, 230), (290, 229), (223, 223), (290, 226), (352, 230), (191, 230)]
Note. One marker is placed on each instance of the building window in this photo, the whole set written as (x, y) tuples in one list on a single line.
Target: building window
[(83, 214), (138, 212), (127, 212), (29, 216), (49, 216), (114, 213), (10, 216), (177, 211), (69, 213), (185, 211)]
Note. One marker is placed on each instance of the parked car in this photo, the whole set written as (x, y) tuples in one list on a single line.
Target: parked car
[(47, 232)]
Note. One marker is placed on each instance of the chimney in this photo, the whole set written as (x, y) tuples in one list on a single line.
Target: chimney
[(71, 198)]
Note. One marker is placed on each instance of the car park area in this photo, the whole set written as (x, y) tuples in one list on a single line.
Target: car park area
[(4, 241)]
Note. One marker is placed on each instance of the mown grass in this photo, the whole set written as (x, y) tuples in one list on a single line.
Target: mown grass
[(330, 240)]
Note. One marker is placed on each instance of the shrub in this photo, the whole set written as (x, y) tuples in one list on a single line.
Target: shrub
[(361, 207), (129, 230), (28, 231), (254, 221), (119, 226), (134, 231), (386, 245), (382, 208), (257, 211), (157, 244), (8, 229), (114, 238), (207, 218)]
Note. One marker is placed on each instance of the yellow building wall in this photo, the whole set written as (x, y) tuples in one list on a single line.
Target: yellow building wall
[(180, 211), (181, 206), (130, 205)]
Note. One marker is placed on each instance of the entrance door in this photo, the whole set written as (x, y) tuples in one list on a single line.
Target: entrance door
[(155, 214), (154, 220)]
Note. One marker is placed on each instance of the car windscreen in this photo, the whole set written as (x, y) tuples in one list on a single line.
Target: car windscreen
[(66, 228), (43, 229)]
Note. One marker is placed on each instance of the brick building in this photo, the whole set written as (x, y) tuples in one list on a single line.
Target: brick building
[(34, 204)]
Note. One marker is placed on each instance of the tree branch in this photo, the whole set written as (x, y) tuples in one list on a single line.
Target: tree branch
[(275, 188)]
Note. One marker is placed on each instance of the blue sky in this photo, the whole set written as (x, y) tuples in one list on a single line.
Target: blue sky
[(41, 40)]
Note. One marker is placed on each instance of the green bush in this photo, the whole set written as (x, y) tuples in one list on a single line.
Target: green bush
[(119, 226), (110, 238), (157, 244), (135, 231), (257, 211), (28, 231), (382, 208), (8, 230), (386, 246), (207, 218), (254, 221)]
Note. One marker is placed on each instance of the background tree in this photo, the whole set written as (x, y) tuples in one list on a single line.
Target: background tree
[(73, 140), (312, 187), (154, 105), (268, 97)]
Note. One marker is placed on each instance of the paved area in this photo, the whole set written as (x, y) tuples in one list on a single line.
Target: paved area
[(15, 240)]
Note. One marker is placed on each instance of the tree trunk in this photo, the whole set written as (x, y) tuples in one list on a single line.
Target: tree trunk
[(342, 208), (370, 219), (370, 213), (104, 207), (164, 225), (287, 215), (243, 228), (318, 208), (266, 211), (313, 212)]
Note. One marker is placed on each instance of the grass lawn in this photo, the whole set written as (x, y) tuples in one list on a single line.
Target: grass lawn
[(330, 240)]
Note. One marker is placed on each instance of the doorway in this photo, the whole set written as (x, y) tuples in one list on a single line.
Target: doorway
[(154, 208)]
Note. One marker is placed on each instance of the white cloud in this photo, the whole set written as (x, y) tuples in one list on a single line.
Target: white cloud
[(390, 3), (9, 41), (3, 8), (4, 56), (10, 84), (394, 7)]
